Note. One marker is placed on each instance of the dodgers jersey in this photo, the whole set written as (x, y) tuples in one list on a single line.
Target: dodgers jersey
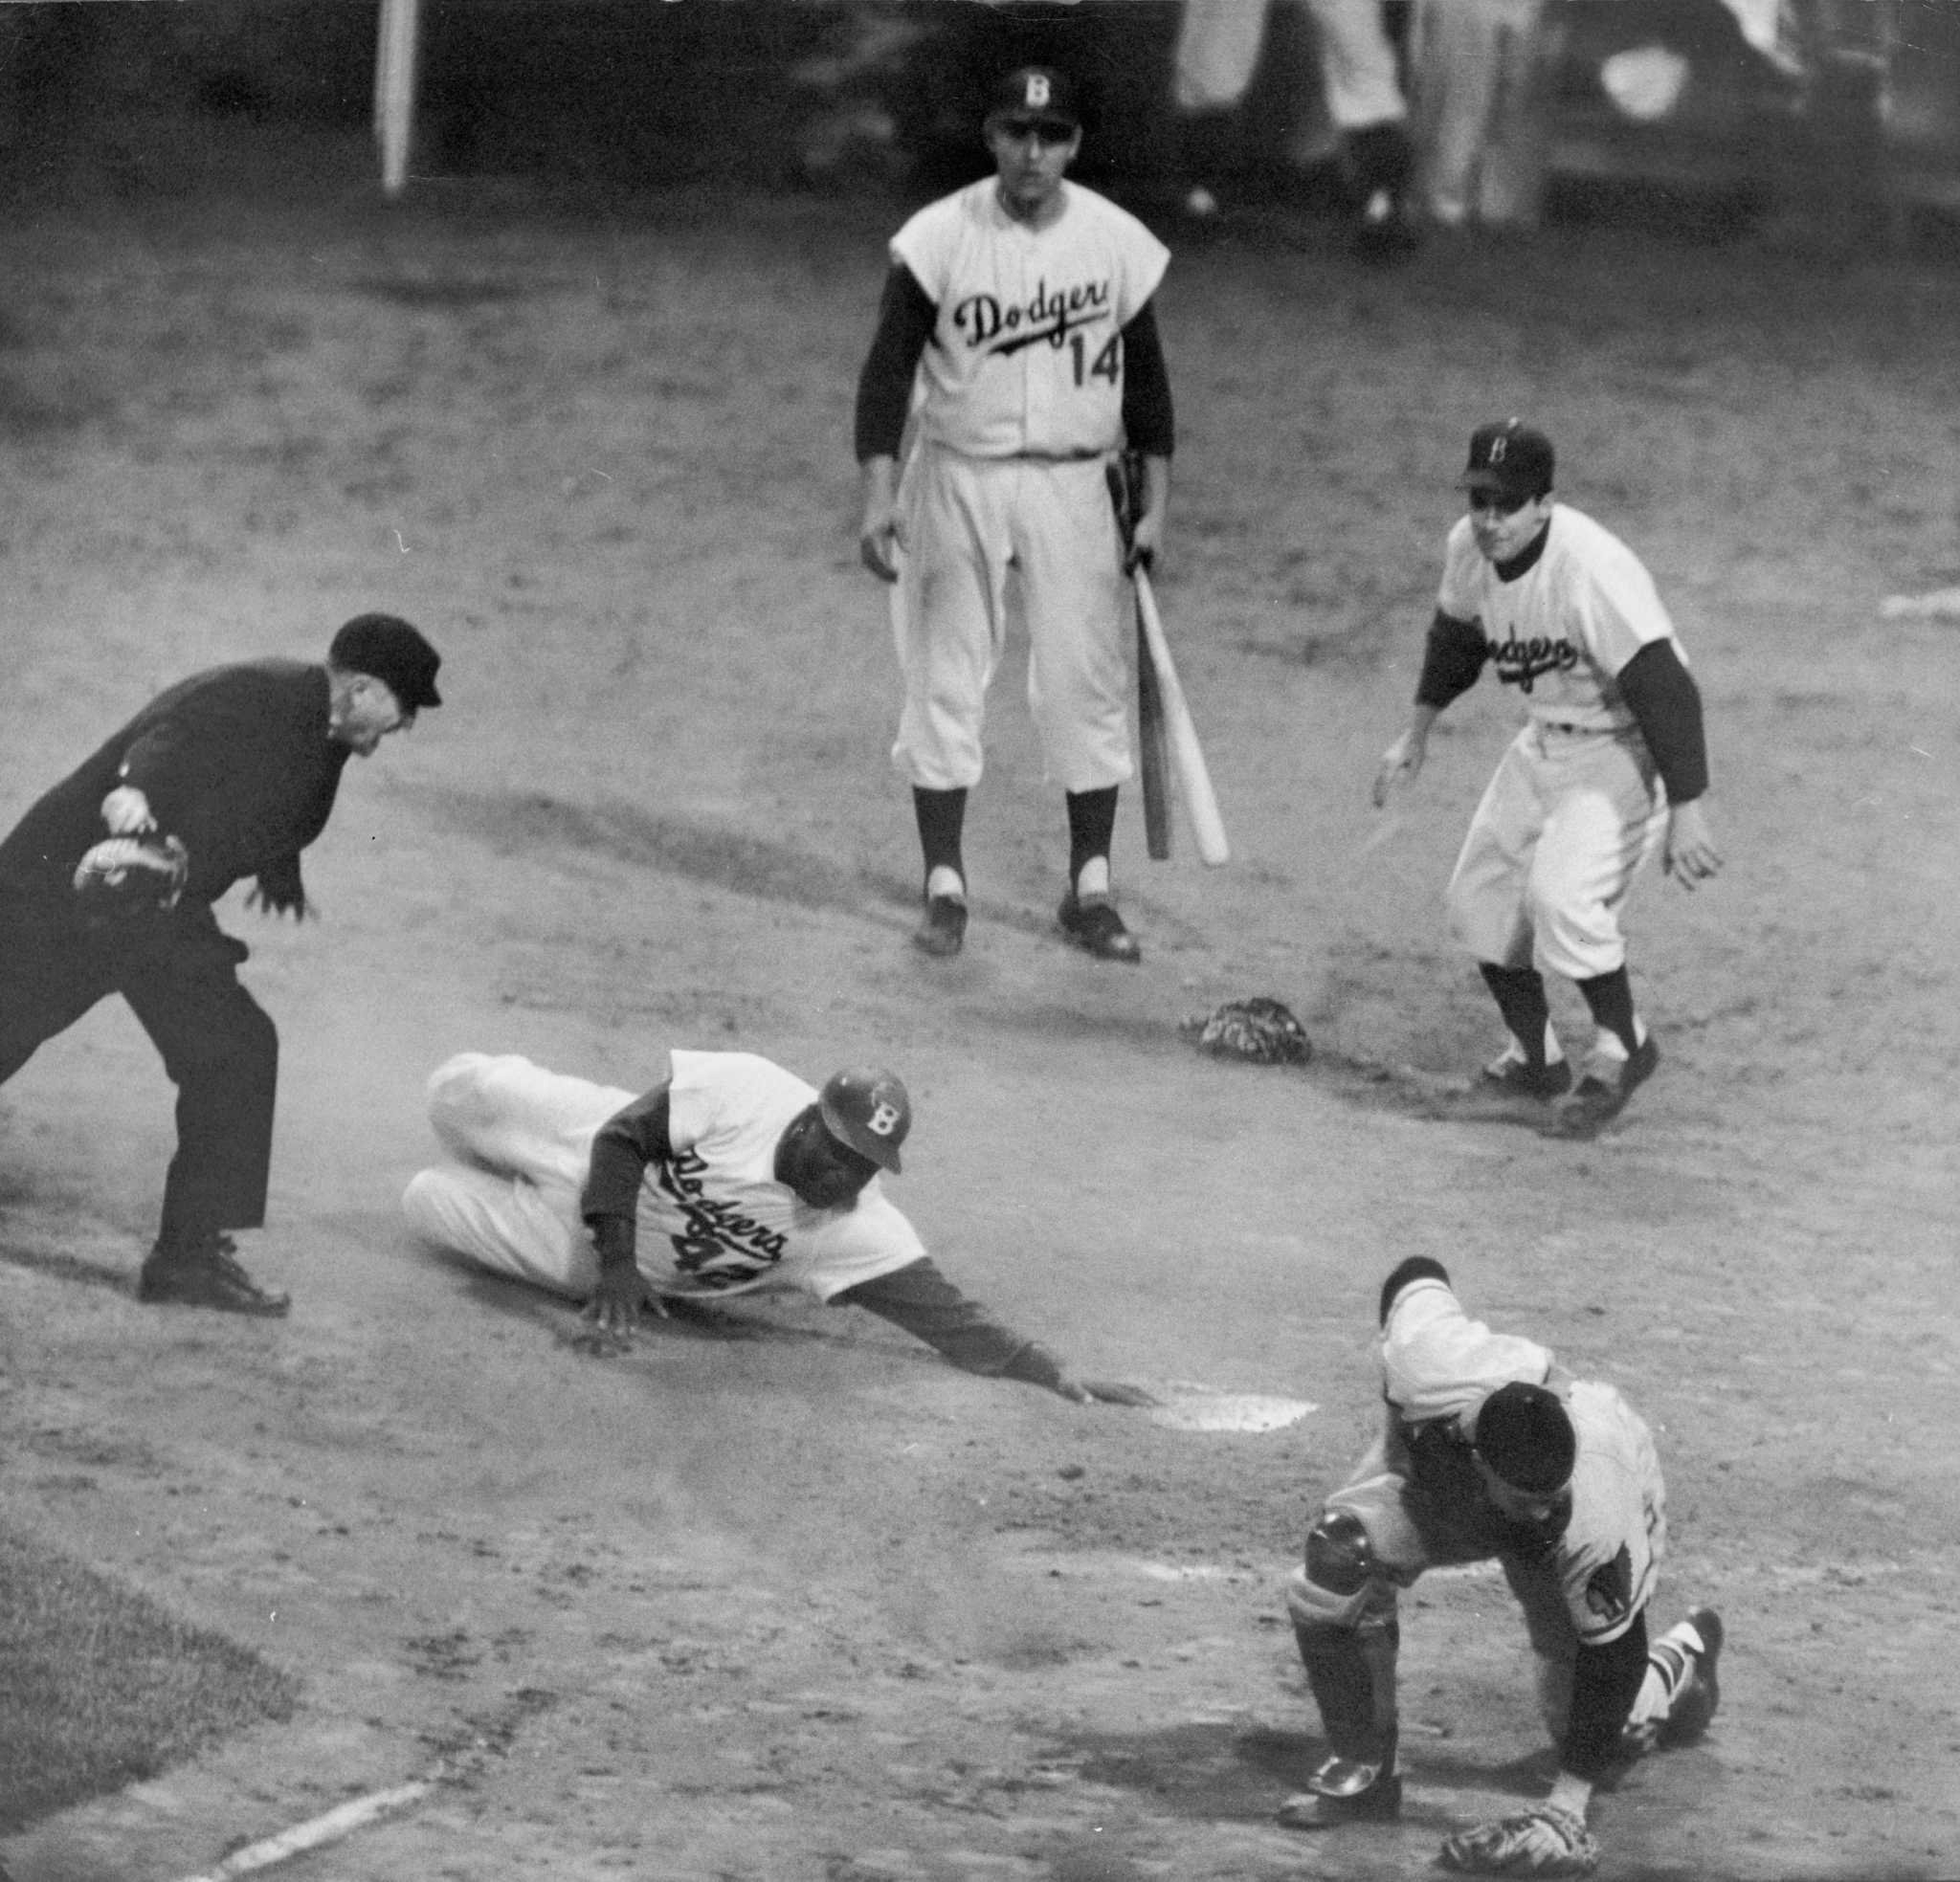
[(729, 1223), (1607, 1558), (1026, 358), (716, 1221), (1561, 633)]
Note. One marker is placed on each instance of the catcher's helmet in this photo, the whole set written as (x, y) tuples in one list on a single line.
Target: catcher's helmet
[(1524, 1434), (868, 1111)]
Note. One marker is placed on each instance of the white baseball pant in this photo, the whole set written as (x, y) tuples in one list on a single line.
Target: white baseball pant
[(1561, 831), (523, 1140), (1481, 122), (1217, 51), (971, 521)]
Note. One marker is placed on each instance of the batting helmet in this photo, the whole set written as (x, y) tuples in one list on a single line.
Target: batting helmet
[(869, 1111)]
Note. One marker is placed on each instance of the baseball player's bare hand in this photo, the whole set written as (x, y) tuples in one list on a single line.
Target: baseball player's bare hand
[(613, 1311), (1402, 759), (1103, 1391), (1691, 856), (126, 812), (1144, 542), (878, 547), (880, 541)]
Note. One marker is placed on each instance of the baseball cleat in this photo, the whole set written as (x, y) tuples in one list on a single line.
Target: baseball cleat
[(943, 929), (1694, 1707), (1511, 1078), (1344, 1791), (1597, 1100), (1092, 925), (206, 1274)]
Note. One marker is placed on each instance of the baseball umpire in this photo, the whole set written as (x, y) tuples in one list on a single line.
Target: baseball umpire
[(1490, 1448), (1023, 305), (730, 1176), (107, 886), (1610, 764)]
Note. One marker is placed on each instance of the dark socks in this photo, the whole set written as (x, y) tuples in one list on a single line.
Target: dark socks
[(941, 816), (1520, 996), (1609, 998), (1091, 827)]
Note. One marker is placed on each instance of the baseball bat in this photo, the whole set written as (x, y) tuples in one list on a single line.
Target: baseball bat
[(1151, 758), (1187, 755), (395, 89)]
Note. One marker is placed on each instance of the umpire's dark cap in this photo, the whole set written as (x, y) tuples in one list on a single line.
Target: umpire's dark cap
[(386, 646), (1037, 91), (1508, 460), (1524, 1434)]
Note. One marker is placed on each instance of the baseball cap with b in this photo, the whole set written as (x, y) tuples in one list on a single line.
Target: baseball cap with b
[(1508, 460), (1524, 1434), (386, 646), (1037, 91), (868, 1112)]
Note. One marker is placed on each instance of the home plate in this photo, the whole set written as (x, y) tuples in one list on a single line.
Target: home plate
[(1184, 1406)]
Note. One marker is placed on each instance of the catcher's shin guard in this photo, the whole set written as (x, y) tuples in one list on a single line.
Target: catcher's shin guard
[(1344, 1622), (1353, 1680)]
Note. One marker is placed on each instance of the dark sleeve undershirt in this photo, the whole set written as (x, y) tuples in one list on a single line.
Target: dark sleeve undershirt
[(920, 1300), (1606, 1683), (1452, 659), (905, 320), (1149, 421), (627, 1143), (1666, 703)]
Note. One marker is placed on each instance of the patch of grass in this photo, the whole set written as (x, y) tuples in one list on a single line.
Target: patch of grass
[(100, 1687)]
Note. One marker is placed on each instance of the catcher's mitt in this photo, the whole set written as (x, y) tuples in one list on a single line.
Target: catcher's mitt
[(1259, 1030), (131, 874), (1541, 1841)]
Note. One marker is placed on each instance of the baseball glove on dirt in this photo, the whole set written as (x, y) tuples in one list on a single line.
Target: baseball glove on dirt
[(1542, 1841), (130, 875), (1259, 1030)]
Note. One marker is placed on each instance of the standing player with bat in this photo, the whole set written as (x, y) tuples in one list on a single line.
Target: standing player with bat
[(1610, 766), (1023, 305)]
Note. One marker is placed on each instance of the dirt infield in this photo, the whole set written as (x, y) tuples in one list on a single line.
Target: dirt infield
[(780, 1595)]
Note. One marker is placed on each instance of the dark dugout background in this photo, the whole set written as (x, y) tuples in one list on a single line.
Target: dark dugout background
[(628, 95)]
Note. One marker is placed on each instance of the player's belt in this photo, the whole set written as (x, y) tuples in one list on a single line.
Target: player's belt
[(1090, 454)]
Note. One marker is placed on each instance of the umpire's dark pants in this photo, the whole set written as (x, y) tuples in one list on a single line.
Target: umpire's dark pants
[(179, 972)]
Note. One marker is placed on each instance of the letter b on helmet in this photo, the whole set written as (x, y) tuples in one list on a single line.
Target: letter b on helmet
[(869, 1113)]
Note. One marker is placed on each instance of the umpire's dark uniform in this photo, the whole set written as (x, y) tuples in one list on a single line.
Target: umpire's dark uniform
[(241, 763)]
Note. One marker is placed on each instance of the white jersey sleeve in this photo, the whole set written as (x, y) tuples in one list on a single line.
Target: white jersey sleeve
[(1610, 1554), (1561, 631), (717, 1220), (1026, 358)]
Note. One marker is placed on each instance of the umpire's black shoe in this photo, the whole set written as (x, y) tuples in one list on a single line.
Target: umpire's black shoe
[(1597, 1102), (1092, 923), (1342, 1791), (206, 1274), (943, 928)]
